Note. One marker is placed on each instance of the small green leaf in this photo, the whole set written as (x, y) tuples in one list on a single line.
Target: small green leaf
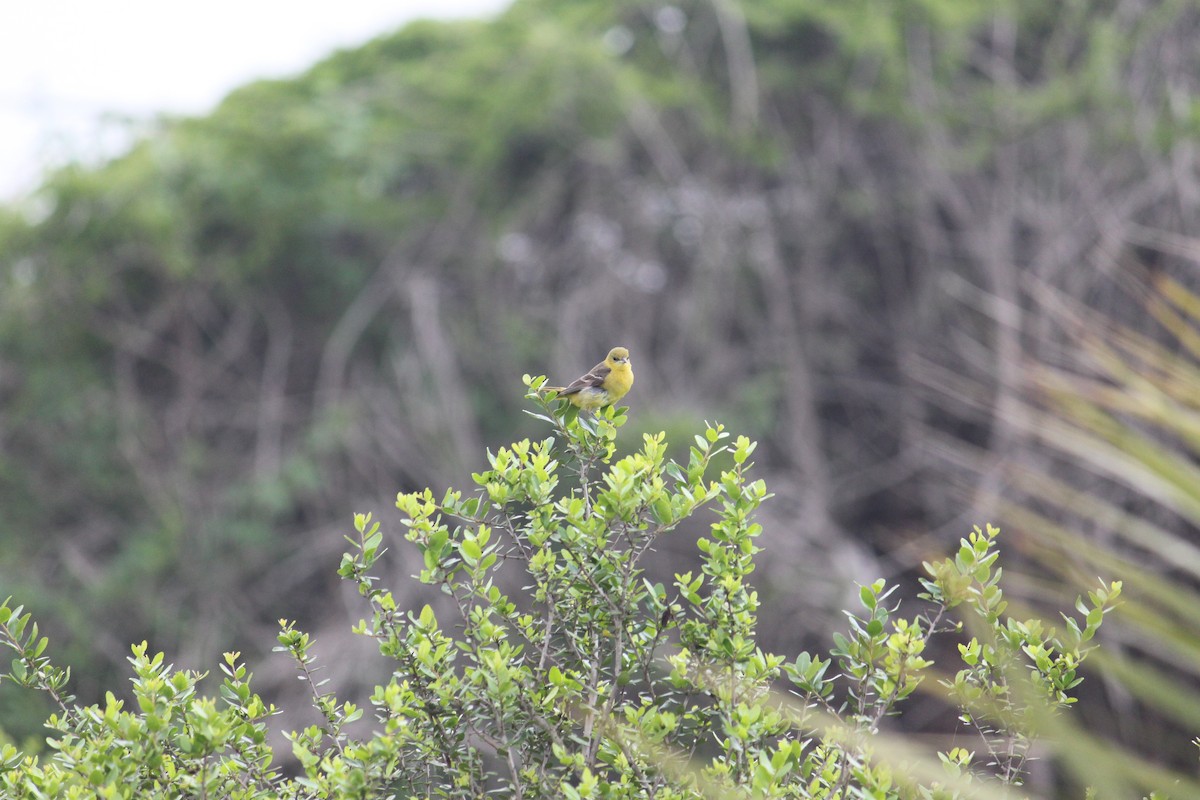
[(470, 551)]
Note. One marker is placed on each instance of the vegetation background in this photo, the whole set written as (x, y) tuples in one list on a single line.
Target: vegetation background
[(936, 256)]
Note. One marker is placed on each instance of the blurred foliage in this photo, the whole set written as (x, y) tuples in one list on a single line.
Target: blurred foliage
[(1117, 493), (835, 224)]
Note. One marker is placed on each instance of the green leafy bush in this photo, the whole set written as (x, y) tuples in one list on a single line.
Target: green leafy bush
[(594, 678)]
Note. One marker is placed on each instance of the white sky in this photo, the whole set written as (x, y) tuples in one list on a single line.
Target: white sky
[(67, 65)]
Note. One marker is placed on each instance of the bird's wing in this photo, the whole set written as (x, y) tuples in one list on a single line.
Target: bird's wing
[(594, 379)]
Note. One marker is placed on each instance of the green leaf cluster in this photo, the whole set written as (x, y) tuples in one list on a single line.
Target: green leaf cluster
[(557, 667)]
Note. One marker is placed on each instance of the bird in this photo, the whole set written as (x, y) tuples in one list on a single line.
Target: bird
[(603, 385)]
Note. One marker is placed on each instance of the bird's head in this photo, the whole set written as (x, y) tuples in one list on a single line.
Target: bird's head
[(618, 355)]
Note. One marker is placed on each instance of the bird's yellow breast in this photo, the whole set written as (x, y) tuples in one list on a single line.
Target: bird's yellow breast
[(619, 381)]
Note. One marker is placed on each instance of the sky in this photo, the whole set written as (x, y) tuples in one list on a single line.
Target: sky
[(74, 73)]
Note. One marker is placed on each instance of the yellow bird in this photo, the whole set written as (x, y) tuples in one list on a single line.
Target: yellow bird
[(603, 385)]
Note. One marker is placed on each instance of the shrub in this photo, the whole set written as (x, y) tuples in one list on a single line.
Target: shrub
[(596, 679)]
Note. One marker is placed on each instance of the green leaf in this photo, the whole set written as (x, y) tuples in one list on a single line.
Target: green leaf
[(471, 551)]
